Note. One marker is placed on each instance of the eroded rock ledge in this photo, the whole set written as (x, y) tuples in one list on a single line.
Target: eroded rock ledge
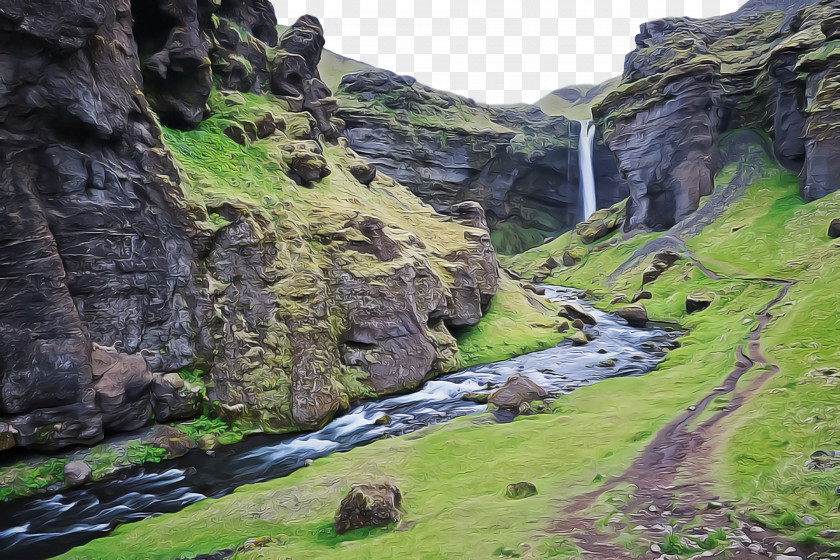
[(520, 164), (768, 66), (128, 256)]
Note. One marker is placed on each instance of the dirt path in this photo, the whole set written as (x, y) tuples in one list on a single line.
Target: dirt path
[(662, 503)]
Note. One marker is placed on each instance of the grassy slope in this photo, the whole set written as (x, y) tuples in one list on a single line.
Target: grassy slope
[(453, 476)]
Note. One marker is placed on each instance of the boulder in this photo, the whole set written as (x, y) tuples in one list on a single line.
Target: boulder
[(122, 388), (642, 294), (77, 473), (834, 228), (7, 436), (579, 338), (480, 398), (519, 490), (173, 398), (573, 312), (362, 172), (620, 298), (698, 301), (516, 391), (592, 230), (635, 315), (174, 442), (662, 261), (368, 505)]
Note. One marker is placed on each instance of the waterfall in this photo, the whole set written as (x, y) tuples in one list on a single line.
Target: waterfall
[(587, 175)]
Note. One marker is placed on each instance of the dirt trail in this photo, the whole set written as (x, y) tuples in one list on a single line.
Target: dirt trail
[(679, 449)]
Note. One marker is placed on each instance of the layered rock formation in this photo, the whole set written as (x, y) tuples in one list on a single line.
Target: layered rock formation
[(518, 163), (131, 252), (768, 66)]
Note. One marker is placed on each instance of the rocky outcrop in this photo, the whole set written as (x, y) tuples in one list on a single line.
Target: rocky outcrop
[(518, 163), (768, 66), (145, 273), (368, 505)]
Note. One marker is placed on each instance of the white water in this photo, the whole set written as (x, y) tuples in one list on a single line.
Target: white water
[(587, 175)]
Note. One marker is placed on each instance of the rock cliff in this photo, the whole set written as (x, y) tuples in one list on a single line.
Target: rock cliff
[(768, 66), (520, 164), (176, 197)]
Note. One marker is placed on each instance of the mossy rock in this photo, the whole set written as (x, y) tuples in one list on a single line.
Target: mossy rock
[(519, 490)]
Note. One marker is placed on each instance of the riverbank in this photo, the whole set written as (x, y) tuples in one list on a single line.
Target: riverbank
[(616, 350)]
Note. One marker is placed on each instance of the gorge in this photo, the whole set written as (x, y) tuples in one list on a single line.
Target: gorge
[(244, 278)]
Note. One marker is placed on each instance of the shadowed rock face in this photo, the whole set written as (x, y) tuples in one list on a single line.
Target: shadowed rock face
[(768, 66), (518, 163), (111, 283)]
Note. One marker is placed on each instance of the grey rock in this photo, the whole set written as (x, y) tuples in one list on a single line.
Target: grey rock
[(516, 391), (76, 473)]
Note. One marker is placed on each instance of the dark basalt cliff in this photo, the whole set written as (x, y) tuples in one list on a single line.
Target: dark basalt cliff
[(520, 164), (128, 256), (769, 66)]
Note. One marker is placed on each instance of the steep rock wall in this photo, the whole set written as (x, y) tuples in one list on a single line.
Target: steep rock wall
[(129, 254), (518, 163), (766, 66)]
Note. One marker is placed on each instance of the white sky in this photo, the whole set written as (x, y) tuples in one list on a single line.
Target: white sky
[(496, 51)]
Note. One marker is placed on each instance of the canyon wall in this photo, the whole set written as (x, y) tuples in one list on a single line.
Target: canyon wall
[(133, 258), (768, 66)]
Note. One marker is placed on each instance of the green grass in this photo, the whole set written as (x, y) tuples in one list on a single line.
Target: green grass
[(515, 323)]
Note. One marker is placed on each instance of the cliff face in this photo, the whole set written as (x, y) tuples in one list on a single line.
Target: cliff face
[(241, 242), (520, 164), (768, 66)]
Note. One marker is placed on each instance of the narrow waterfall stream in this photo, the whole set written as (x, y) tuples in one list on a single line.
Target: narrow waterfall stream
[(45, 526), (587, 174)]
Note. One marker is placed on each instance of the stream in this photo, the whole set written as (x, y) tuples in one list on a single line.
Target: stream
[(41, 527)]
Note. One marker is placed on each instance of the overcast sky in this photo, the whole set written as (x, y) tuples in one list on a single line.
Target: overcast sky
[(496, 51)]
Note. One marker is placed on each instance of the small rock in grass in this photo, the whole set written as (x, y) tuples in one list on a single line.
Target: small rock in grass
[(834, 228), (255, 542), (655, 548), (519, 490), (368, 505), (756, 529), (516, 391)]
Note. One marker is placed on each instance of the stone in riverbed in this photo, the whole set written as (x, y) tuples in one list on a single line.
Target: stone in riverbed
[(174, 442), (368, 505), (519, 490), (573, 311), (579, 338), (635, 315), (480, 398), (518, 390)]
